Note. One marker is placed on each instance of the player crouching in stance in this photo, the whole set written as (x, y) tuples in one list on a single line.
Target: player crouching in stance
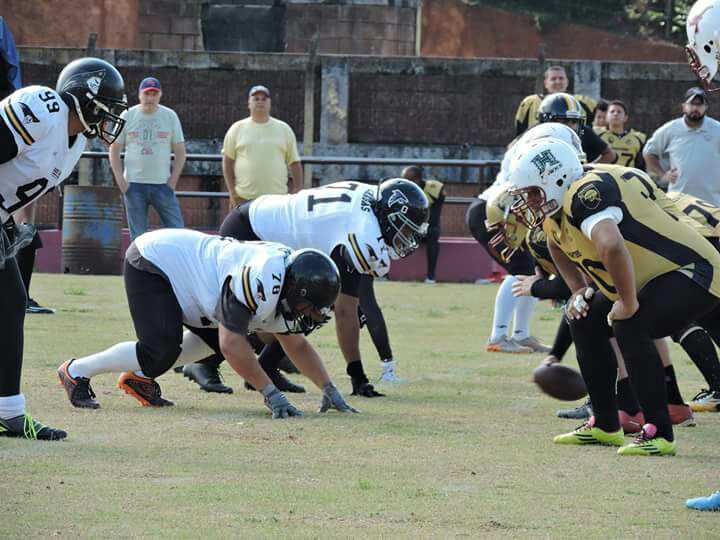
[(652, 270), (221, 290)]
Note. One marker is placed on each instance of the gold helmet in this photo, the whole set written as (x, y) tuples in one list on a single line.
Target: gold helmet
[(506, 230)]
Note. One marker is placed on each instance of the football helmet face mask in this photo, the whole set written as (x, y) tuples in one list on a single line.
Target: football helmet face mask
[(561, 106), (311, 286), (95, 90), (506, 230), (403, 211), (540, 174), (703, 49)]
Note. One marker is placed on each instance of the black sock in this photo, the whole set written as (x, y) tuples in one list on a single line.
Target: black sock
[(356, 371), (701, 350), (627, 400), (270, 356), (673, 392)]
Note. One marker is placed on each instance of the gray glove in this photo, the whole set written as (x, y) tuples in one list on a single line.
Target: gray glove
[(276, 401), (332, 399)]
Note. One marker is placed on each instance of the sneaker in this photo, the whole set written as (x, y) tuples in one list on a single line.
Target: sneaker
[(631, 423), (531, 342), (706, 401), (78, 389), (146, 391), (507, 345), (34, 307), (711, 503), (388, 374), (681, 415), (587, 433), (207, 377), (578, 413), (647, 444), (26, 427), (430, 281)]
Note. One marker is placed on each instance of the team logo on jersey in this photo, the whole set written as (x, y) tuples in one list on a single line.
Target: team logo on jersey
[(397, 197), (545, 162), (260, 290), (28, 116), (589, 196)]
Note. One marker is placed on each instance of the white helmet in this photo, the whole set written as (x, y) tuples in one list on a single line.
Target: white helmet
[(703, 32), (540, 173)]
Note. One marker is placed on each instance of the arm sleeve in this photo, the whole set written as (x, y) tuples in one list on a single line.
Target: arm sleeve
[(592, 144), (231, 313), (550, 289)]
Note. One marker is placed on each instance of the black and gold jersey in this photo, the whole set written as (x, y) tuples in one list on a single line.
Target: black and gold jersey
[(657, 235), (536, 242), (628, 146), (433, 189), (704, 216), (526, 115)]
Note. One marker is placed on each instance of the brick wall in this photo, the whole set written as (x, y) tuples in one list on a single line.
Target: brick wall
[(165, 24)]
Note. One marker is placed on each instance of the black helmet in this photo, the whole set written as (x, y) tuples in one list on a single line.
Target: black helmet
[(95, 90), (559, 107), (311, 286), (403, 211)]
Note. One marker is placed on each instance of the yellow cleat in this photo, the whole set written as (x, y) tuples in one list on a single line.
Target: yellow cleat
[(647, 444), (589, 434)]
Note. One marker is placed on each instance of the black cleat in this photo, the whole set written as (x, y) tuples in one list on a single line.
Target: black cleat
[(207, 377), (34, 307), (362, 387), (78, 389), (26, 427)]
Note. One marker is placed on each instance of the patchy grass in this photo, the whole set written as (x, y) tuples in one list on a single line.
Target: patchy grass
[(462, 449)]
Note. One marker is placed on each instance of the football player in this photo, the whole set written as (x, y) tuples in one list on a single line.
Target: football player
[(652, 270), (42, 136), (626, 143), (361, 227), (221, 290)]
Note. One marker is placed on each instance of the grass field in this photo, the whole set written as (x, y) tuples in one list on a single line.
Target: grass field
[(463, 449)]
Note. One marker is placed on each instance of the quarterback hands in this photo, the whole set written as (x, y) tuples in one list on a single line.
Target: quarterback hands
[(577, 306), (332, 399), (276, 401), (622, 310)]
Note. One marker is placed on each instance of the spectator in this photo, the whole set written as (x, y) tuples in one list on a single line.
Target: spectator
[(555, 81), (600, 118), (627, 143), (257, 153), (692, 145), (435, 192), (152, 131)]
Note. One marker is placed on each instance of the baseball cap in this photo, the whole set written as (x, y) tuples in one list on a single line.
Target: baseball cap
[(259, 88), (694, 92), (150, 83)]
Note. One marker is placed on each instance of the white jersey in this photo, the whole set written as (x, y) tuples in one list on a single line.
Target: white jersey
[(197, 266), (38, 119), (324, 218)]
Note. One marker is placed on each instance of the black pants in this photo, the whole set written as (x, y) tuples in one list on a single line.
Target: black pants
[(432, 245), (667, 303), (520, 264), (158, 320), (13, 301)]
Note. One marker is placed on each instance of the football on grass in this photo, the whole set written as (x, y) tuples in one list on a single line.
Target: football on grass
[(561, 382)]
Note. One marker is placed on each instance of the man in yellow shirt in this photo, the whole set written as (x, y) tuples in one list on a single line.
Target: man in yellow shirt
[(258, 151), (628, 144)]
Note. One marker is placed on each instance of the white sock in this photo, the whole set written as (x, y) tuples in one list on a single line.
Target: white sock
[(504, 305), (116, 359), (523, 314), (194, 349), (12, 406)]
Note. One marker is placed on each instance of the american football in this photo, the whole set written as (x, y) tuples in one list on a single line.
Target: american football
[(561, 382)]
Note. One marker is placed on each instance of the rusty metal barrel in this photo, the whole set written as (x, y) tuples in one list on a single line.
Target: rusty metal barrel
[(92, 227)]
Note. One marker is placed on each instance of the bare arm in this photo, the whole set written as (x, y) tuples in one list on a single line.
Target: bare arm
[(177, 164), (347, 327), (237, 351), (573, 277), (618, 263), (608, 156), (653, 166), (297, 176), (117, 167), (305, 357), (228, 167)]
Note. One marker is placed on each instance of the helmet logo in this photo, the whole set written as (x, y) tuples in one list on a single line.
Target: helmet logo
[(93, 83), (589, 196), (90, 79), (545, 162), (397, 197)]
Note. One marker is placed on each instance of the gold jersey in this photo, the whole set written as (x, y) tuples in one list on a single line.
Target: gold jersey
[(526, 115), (704, 216), (658, 237), (536, 242), (627, 146), (432, 190)]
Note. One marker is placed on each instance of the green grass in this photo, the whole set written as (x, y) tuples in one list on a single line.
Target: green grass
[(464, 449)]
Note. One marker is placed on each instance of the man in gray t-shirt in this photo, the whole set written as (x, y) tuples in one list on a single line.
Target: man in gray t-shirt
[(152, 133), (691, 145)]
